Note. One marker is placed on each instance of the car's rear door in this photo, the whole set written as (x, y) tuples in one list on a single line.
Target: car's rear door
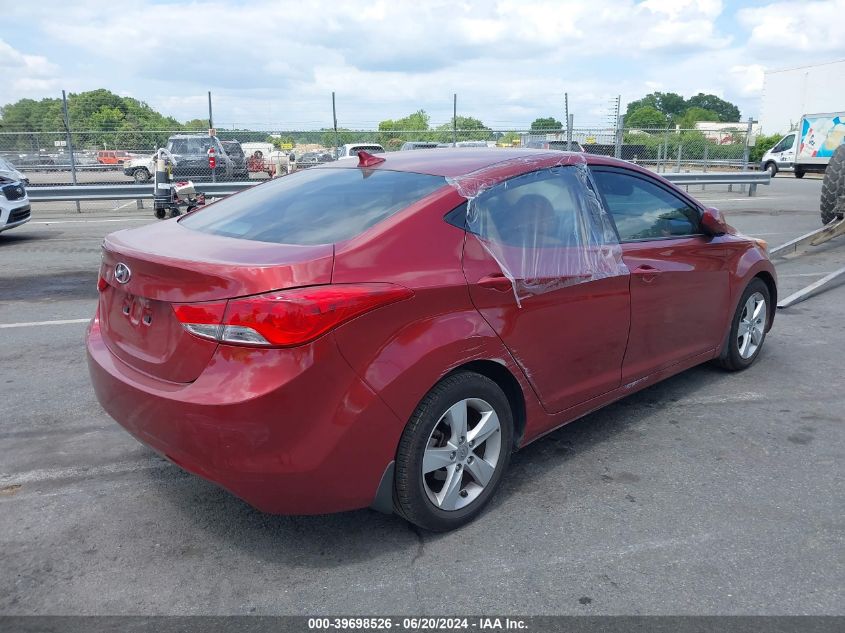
[(568, 334), (679, 278)]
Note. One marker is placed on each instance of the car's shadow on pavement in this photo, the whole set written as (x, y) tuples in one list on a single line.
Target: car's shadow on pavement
[(346, 538), (13, 237)]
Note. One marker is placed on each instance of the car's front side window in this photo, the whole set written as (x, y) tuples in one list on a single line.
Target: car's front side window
[(785, 143), (643, 210)]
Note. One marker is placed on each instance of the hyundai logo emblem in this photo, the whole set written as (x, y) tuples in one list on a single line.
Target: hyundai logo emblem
[(122, 273)]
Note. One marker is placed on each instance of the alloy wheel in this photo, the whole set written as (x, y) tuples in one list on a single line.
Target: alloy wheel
[(752, 325), (461, 454)]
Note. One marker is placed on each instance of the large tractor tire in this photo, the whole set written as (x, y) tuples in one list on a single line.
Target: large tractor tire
[(833, 186)]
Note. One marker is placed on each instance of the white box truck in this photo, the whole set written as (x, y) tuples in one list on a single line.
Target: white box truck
[(809, 148)]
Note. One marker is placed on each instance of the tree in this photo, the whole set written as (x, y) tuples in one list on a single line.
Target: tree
[(669, 103), (674, 106), (196, 124), (418, 121), (646, 117), (413, 127), (279, 141), (469, 129), (694, 115), (92, 110), (725, 110), (509, 139), (547, 123)]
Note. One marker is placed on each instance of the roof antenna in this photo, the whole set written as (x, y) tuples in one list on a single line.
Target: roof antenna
[(365, 159)]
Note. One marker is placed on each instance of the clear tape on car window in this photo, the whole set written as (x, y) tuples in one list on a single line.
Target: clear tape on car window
[(546, 229)]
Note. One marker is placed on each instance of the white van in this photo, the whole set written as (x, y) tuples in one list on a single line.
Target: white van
[(781, 157), (352, 149)]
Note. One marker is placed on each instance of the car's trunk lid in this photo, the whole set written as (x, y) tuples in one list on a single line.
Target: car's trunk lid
[(168, 263)]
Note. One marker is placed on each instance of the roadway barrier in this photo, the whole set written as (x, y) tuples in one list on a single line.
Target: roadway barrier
[(117, 191)]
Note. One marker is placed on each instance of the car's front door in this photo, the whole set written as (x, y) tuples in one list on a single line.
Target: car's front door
[(567, 332), (679, 279)]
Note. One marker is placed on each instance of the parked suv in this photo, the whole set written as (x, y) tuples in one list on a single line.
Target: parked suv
[(113, 157), (235, 152), (190, 151), (141, 169), (14, 203)]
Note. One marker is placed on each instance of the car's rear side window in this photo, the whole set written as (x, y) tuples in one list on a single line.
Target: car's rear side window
[(318, 206)]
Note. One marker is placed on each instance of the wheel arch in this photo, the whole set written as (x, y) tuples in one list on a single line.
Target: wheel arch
[(508, 383), (767, 278)]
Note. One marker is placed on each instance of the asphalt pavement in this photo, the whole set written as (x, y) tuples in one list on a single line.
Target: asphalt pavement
[(711, 493)]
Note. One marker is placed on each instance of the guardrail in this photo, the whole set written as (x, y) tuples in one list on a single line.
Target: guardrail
[(117, 191), (750, 178)]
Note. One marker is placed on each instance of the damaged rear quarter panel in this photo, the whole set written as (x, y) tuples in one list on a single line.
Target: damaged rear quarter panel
[(402, 350)]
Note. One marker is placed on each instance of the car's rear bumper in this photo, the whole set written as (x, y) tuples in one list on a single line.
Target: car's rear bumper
[(290, 431)]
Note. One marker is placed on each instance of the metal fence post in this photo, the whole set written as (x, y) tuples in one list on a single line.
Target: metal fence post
[(665, 150), (69, 143), (210, 129), (334, 119), (570, 122), (617, 149), (680, 149), (746, 151), (455, 120), (703, 187)]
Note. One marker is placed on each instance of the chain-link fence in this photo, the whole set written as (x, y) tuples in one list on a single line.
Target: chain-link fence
[(101, 157)]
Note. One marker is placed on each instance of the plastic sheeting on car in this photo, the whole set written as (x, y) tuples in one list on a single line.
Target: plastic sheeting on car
[(547, 228)]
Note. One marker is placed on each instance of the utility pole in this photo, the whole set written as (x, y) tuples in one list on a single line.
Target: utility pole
[(210, 117)]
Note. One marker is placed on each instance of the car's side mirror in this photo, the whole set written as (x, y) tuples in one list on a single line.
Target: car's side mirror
[(713, 222)]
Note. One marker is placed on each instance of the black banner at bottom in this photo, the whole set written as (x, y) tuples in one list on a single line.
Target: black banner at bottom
[(494, 624)]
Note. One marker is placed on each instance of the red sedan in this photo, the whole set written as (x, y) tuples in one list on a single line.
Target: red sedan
[(387, 332)]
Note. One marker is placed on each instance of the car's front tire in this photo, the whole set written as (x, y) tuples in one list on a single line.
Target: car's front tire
[(772, 168), (748, 327), (141, 175), (453, 452)]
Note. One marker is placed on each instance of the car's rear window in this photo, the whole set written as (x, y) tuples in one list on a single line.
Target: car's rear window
[(318, 206)]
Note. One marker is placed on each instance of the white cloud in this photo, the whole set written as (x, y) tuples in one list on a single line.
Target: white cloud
[(24, 75), (810, 27), (275, 62)]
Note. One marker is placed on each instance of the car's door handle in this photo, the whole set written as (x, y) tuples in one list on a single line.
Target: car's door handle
[(496, 281), (647, 273)]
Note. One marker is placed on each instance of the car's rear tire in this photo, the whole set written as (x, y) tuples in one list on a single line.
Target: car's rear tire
[(833, 185), (799, 173), (748, 327), (453, 452)]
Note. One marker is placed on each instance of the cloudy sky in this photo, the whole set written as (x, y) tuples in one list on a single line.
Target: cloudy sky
[(274, 63)]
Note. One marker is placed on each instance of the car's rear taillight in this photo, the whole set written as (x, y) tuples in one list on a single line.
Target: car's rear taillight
[(285, 318), (203, 319)]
